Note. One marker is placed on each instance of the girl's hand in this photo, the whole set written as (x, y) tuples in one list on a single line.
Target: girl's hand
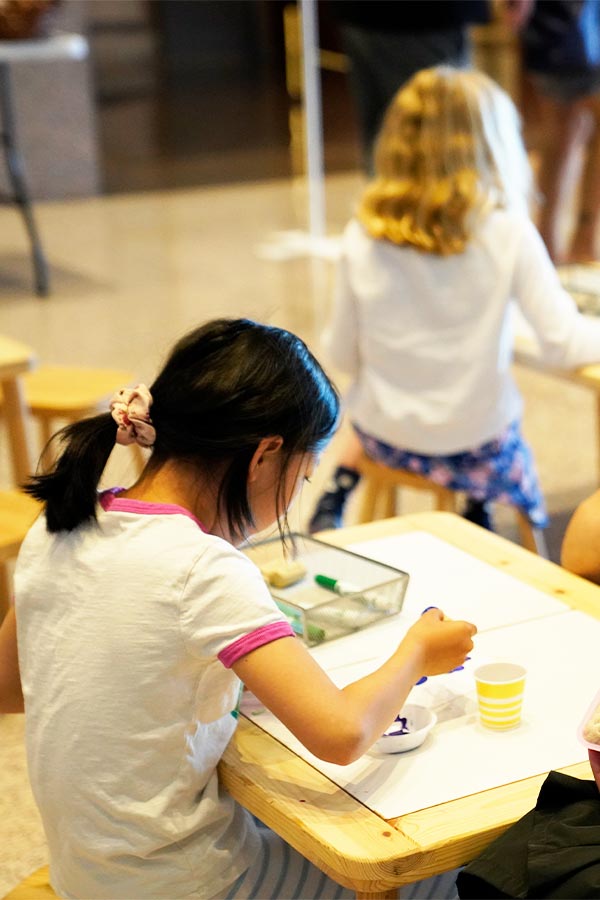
[(441, 644)]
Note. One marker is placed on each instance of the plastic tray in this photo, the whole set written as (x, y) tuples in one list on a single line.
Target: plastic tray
[(588, 715), (318, 614)]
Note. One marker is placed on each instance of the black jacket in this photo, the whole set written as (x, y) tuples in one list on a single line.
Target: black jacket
[(552, 852)]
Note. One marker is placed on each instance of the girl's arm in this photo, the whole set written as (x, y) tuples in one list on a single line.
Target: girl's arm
[(567, 338), (11, 695), (580, 551), (339, 724)]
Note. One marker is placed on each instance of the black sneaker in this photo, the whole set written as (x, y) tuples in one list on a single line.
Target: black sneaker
[(329, 511), (478, 511), (323, 519)]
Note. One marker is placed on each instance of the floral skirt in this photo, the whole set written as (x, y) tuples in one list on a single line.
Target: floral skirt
[(503, 470)]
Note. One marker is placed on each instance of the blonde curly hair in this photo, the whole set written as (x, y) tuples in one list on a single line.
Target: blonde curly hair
[(449, 150)]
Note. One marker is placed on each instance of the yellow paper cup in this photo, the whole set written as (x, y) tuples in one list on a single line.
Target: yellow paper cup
[(500, 694)]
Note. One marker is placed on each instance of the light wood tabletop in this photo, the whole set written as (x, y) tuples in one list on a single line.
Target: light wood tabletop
[(15, 359), (352, 844)]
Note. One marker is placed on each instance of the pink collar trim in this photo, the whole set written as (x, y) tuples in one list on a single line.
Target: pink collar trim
[(111, 502)]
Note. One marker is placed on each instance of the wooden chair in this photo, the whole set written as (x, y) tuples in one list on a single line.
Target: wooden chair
[(380, 486), (35, 887)]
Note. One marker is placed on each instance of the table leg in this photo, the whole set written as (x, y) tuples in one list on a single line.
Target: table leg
[(14, 166), (15, 414)]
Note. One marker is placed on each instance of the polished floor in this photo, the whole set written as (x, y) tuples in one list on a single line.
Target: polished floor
[(132, 272)]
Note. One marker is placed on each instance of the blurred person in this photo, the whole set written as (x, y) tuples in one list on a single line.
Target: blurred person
[(387, 41), (580, 551), (561, 62), (440, 245)]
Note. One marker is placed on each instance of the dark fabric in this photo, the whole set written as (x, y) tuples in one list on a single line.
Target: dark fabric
[(387, 41), (552, 852), (381, 63), (563, 36), (410, 15)]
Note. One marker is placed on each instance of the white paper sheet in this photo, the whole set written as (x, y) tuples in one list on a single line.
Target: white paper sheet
[(440, 575), (460, 757), (464, 587)]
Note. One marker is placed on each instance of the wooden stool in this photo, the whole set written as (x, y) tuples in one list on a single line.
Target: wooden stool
[(380, 484), (70, 393), (17, 514), (34, 887)]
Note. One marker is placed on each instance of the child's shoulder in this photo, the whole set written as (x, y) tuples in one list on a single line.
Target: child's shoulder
[(510, 221), (508, 233)]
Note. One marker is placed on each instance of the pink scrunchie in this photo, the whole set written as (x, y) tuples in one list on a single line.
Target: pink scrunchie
[(130, 408)]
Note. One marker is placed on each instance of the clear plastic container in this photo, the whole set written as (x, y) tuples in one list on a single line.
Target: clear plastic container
[(594, 707), (372, 590)]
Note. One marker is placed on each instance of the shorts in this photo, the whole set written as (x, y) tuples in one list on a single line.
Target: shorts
[(281, 873), (502, 469)]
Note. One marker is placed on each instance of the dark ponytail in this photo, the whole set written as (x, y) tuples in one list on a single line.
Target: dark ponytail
[(224, 387), (70, 490)]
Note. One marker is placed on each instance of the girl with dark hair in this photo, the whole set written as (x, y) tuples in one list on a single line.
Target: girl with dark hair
[(138, 619)]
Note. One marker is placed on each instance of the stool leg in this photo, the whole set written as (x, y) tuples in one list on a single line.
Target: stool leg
[(14, 166), (532, 538), (389, 503), (445, 501), (368, 504), (15, 413), (48, 452), (46, 429)]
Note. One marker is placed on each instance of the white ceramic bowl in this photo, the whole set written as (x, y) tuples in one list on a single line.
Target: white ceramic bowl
[(419, 722)]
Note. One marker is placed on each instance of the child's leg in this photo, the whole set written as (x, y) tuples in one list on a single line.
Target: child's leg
[(583, 243), (330, 506), (558, 148), (281, 873)]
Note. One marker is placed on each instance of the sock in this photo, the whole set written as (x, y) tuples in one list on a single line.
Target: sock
[(330, 507)]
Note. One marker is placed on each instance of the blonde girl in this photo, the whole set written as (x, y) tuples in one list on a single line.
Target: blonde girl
[(440, 245)]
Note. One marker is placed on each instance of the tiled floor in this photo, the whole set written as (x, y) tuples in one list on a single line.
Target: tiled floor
[(132, 272)]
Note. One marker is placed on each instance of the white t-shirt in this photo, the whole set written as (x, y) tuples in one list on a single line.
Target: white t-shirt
[(126, 632), (428, 339)]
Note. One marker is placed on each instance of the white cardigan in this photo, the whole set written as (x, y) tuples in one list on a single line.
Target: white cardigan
[(428, 339)]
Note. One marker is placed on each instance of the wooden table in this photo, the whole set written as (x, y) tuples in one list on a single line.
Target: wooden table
[(352, 844), (16, 358)]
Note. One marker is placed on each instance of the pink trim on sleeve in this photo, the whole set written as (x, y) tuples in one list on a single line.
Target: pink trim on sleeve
[(264, 635)]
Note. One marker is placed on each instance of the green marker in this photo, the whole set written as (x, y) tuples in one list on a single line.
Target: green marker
[(338, 587)]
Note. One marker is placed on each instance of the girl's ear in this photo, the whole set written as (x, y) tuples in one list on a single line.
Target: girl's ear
[(266, 452)]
